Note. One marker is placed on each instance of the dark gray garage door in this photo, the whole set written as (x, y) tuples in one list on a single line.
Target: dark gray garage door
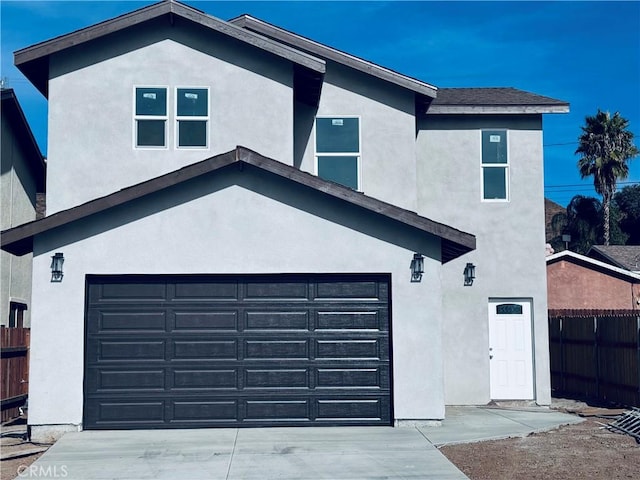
[(200, 351)]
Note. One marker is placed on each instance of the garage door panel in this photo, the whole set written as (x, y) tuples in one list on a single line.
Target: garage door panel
[(215, 320), (277, 320), (129, 380), (349, 320), (345, 348), (276, 349), (210, 290), (237, 350), (332, 378), (365, 408), (276, 378), (280, 291), (348, 290), (125, 292), (274, 410), (203, 411), (206, 349), (149, 412), (216, 379), (126, 320), (131, 350)]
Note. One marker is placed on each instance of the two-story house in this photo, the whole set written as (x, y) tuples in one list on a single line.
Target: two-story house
[(258, 229), (22, 177)]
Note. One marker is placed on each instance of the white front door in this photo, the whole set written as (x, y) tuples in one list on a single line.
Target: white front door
[(510, 350)]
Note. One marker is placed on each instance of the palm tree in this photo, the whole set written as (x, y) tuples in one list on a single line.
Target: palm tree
[(606, 147)]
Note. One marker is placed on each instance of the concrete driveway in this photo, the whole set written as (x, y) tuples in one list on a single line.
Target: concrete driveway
[(334, 453)]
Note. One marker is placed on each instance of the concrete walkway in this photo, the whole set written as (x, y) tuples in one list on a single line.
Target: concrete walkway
[(336, 453), (476, 424)]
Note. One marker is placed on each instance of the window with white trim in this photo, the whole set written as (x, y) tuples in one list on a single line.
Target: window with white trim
[(150, 117), (495, 166), (192, 117), (16, 314), (338, 150)]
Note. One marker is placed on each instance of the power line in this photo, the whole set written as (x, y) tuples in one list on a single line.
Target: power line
[(587, 185)]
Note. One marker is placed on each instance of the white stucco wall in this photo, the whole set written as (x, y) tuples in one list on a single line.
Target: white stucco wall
[(17, 206), (212, 225), (91, 108), (509, 257), (387, 132)]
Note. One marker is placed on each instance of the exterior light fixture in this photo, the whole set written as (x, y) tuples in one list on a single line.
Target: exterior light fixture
[(566, 238), (56, 267), (417, 267), (469, 274)]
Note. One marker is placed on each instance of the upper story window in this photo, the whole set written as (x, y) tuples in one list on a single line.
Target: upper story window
[(338, 150), (151, 117), (495, 166), (192, 117), (190, 110)]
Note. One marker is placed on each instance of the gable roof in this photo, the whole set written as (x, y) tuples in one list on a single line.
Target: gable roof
[(19, 240), (33, 61), (323, 51), (13, 113), (623, 256), (593, 265), (494, 100)]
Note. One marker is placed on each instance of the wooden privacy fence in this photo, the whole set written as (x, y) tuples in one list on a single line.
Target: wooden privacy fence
[(14, 366), (595, 355)]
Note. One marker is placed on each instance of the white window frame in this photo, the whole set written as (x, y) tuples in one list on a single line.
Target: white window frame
[(504, 166), (137, 117), (17, 309), (178, 118), (358, 155)]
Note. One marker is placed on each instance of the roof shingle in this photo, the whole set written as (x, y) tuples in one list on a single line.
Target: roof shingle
[(623, 256)]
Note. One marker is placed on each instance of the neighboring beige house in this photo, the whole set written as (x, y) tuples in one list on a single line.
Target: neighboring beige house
[(22, 178), (264, 230), (578, 282)]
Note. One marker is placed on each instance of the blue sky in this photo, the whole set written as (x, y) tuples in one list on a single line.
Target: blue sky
[(586, 53)]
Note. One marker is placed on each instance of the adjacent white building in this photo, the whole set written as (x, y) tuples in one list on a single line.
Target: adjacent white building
[(22, 177)]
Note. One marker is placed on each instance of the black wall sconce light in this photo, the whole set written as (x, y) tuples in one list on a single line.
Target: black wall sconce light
[(56, 267), (417, 267), (469, 274)]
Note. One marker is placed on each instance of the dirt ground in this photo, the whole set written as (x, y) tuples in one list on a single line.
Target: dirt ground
[(16, 452), (582, 451), (9, 469)]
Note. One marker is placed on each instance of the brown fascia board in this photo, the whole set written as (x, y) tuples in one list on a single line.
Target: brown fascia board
[(12, 112), (496, 109), (494, 100), (33, 61), (19, 240), (297, 41)]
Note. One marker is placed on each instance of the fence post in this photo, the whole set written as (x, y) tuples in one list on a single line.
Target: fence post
[(637, 402), (597, 355), (563, 360)]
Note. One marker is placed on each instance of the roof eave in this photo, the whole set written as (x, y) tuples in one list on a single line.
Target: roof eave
[(568, 255), (12, 110), (19, 240), (33, 61), (496, 109), (253, 24)]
